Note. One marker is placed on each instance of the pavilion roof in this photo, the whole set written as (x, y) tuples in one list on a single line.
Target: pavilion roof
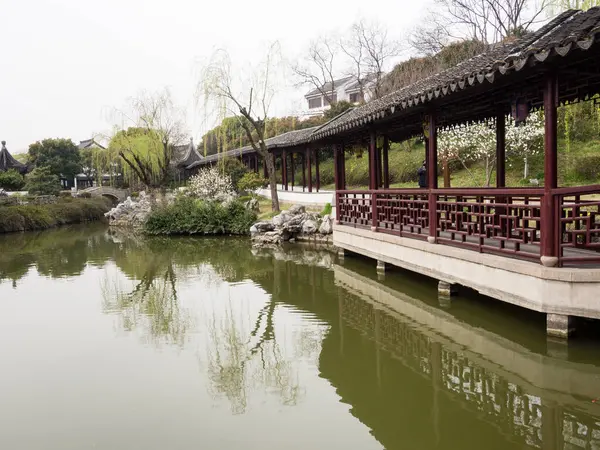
[(570, 31), (7, 161)]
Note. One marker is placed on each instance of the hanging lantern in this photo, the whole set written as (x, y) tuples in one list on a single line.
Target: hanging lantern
[(519, 111)]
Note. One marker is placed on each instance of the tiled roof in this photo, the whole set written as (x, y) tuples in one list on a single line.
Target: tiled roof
[(87, 143), (184, 155), (289, 139), (7, 161), (327, 87), (570, 30)]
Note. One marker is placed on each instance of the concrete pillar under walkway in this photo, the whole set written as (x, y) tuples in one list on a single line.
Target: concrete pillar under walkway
[(381, 267), (559, 325)]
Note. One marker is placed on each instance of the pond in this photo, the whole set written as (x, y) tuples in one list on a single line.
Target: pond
[(114, 341)]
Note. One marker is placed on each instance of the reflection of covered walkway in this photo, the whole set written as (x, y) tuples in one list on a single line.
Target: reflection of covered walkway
[(420, 378)]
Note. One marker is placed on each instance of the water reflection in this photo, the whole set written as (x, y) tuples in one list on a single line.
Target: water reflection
[(287, 339)]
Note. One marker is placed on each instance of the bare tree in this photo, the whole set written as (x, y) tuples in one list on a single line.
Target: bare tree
[(369, 48), (318, 70), (150, 127), (486, 21), (249, 102)]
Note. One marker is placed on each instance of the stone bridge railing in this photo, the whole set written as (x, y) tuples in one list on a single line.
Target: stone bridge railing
[(107, 191)]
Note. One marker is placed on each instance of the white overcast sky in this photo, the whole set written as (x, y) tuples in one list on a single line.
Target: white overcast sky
[(65, 64)]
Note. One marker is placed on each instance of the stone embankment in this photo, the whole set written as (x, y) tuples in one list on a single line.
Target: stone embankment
[(132, 213), (293, 225)]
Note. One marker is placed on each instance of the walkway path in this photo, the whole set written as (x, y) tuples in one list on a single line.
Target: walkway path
[(297, 196)]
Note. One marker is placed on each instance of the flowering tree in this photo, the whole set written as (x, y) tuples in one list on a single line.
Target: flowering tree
[(210, 184), (526, 140), (477, 142)]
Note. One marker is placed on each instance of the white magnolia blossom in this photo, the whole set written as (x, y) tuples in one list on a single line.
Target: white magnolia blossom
[(210, 184), (477, 142)]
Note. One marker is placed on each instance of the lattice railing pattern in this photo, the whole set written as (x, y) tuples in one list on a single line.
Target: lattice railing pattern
[(579, 227), (491, 222), (403, 213), (354, 208)]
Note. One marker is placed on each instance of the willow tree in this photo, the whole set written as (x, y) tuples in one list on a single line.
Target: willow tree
[(248, 100), (154, 127)]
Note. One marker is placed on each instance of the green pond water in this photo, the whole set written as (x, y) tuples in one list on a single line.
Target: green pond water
[(110, 341)]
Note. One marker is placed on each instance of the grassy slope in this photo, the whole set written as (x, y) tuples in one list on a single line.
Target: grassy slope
[(579, 166)]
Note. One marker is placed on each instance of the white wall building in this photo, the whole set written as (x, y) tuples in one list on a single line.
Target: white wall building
[(344, 89)]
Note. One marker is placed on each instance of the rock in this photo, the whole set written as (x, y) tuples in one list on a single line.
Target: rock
[(3, 193), (131, 213), (252, 205), (309, 227), (281, 219), (263, 227), (296, 209), (326, 225), (253, 230), (268, 238), (294, 225)]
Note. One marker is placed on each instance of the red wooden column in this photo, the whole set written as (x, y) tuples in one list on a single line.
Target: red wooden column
[(284, 170), (309, 168), (293, 169), (317, 174), (549, 247), (432, 177), (386, 168), (372, 160)]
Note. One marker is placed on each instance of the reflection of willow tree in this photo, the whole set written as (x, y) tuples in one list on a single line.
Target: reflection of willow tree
[(152, 305), (56, 253), (240, 359)]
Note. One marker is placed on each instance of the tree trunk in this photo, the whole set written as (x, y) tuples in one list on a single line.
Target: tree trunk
[(446, 168), (526, 169), (270, 161)]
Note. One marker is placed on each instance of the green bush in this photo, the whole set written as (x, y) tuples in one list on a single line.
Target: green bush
[(11, 180), (326, 210), (194, 216), (250, 182), (41, 181), (65, 211)]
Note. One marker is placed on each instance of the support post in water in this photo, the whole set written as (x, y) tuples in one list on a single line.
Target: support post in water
[(559, 325)]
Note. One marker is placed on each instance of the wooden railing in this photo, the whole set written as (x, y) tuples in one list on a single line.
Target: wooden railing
[(578, 224), (504, 221)]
